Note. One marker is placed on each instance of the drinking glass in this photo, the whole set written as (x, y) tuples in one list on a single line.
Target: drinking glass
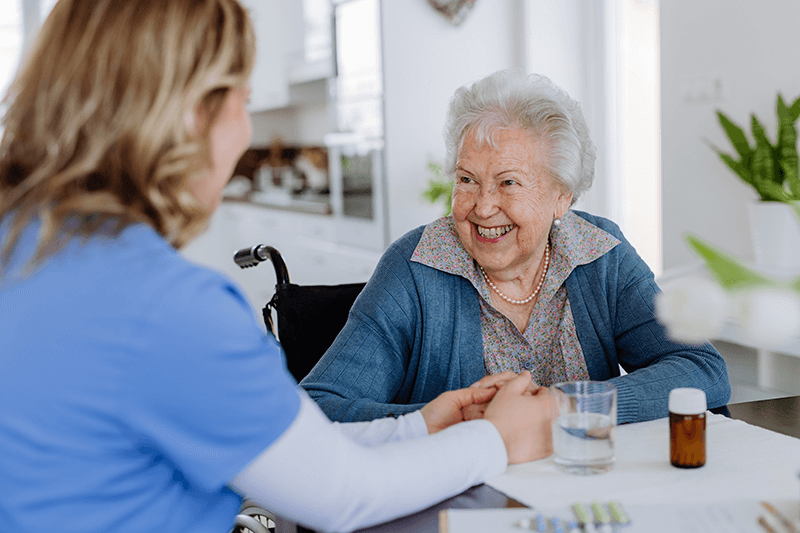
[(583, 432)]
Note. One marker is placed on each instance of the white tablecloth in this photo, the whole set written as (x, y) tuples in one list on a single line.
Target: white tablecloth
[(743, 463)]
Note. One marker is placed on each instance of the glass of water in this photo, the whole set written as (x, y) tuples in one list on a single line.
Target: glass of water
[(583, 433)]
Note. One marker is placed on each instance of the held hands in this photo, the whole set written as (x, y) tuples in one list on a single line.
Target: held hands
[(521, 411), (448, 408), (464, 404), (523, 418), (494, 381)]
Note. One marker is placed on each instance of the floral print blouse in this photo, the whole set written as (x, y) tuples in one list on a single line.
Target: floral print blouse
[(549, 346)]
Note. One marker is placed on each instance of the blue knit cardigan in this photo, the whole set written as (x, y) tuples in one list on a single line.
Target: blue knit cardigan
[(415, 332)]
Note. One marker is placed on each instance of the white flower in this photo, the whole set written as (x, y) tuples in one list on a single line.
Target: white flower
[(768, 316), (692, 309)]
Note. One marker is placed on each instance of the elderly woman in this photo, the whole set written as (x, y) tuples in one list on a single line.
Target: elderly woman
[(513, 281)]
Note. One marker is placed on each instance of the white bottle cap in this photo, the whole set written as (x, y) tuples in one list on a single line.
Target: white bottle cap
[(686, 401)]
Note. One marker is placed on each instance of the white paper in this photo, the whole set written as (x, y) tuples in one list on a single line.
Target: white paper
[(720, 517)]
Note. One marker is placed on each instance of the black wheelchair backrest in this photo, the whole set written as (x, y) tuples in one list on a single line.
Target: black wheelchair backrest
[(309, 317)]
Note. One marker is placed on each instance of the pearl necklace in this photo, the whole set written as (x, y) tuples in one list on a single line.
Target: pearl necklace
[(535, 291)]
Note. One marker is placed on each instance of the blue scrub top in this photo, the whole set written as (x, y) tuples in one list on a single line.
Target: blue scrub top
[(134, 385)]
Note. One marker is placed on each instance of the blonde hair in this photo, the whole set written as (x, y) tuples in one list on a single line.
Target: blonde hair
[(100, 128)]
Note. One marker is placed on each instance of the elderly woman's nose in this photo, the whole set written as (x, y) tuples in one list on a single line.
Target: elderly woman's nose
[(486, 200)]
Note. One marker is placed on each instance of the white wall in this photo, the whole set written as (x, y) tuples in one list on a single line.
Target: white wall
[(554, 33), (752, 48)]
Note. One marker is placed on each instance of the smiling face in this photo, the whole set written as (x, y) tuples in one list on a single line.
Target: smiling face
[(504, 202)]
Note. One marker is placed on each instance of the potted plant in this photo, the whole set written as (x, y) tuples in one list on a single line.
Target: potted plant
[(772, 171), (440, 188)]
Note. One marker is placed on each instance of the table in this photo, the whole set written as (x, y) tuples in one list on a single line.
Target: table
[(780, 414)]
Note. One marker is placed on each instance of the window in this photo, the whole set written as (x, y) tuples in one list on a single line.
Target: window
[(605, 55), (635, 147), (19, 22), (10, 40)]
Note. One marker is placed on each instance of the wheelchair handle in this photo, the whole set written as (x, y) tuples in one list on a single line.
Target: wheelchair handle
[(250, 257)]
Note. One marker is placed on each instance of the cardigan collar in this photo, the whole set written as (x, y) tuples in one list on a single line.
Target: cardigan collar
[(575, 242)]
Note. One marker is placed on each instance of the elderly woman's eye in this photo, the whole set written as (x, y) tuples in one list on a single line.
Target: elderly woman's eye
[(509, 182), (464, 179)]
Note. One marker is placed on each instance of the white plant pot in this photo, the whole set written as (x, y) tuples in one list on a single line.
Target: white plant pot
[(775, 229)]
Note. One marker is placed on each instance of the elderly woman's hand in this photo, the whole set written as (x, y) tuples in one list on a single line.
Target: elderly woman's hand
[(447, 408), (494, 381), (524, 419)]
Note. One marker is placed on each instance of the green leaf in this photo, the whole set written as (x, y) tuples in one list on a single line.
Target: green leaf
[(772, 170), (782, 110), (738, 168), (735, 134), (440, 188), (728, 271), (795, 285), (789, 166), (786, 149), (772, 192), (794, 110), (763, 160), (436, 169)]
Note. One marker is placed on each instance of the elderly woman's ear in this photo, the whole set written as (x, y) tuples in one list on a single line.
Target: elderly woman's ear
[(562, 205)]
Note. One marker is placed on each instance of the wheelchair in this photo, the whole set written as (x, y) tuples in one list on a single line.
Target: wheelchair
[(308, 319), (253, 519)]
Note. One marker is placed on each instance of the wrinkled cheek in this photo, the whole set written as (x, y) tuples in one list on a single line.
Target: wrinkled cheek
[(462, 204), (462, 226), (539, 215), (542, 213), (463, 231)]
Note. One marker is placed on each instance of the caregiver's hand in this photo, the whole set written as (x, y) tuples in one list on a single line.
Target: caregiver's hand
[(494, 381), (447, 408)]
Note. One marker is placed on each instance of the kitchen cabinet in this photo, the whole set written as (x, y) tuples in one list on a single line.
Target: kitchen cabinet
[(316, 61), (290, 53), (269, 81)]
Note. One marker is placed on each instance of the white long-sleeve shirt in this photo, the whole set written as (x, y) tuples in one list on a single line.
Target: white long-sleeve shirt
[(340, 477)]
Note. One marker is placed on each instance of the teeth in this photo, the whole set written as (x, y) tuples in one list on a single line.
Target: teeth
[(495, 232)]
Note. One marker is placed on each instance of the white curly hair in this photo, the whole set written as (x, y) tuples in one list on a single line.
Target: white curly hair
[(508, 99)]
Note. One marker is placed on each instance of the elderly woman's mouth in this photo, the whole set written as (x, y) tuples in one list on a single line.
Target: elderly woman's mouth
[(495, 232)]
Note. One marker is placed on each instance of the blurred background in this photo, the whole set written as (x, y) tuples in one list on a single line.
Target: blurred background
[(349, 100)]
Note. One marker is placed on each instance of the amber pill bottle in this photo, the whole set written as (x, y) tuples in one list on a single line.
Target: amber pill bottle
[(687, 427)]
